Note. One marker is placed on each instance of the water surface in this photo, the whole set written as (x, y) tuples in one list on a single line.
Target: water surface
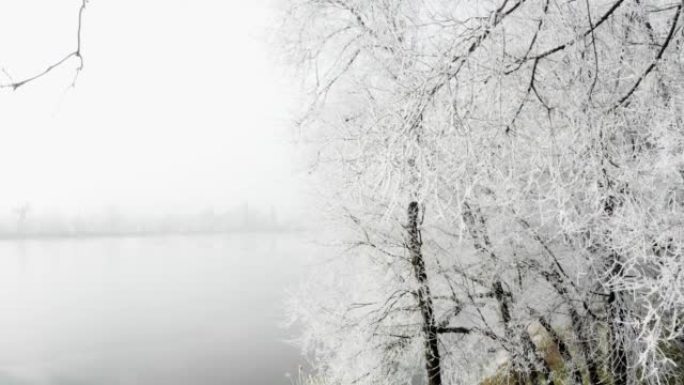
[(150, 310)]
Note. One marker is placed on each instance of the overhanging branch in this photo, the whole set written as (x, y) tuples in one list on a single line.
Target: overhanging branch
[(76, 53)]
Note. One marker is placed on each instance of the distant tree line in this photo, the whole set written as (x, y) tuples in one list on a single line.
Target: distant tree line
[(27, 222)]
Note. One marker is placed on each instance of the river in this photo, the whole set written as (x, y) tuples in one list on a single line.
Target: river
[(171, 310)]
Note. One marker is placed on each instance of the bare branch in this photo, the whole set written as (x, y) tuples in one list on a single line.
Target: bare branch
[(76, 53), (655, 61), (586, 33)]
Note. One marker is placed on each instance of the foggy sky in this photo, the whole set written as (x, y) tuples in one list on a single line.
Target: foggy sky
[(178, 107)]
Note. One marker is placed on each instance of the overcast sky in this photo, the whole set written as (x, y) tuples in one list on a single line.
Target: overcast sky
[(179, 106)]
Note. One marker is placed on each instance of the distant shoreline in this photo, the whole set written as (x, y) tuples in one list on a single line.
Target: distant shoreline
[(139, 234)]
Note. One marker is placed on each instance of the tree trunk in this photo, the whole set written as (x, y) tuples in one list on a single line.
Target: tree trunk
[(618, 356), (564, 351), (578, 326), (414, 243)]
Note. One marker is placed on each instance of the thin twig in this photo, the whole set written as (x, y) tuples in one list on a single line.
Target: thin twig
[(73, 54), (655, 61), (586, 33)]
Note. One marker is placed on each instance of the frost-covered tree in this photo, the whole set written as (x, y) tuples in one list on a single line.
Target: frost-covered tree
[(511, 174)]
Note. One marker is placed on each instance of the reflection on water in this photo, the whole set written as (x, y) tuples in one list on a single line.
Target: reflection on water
[(157, 310)]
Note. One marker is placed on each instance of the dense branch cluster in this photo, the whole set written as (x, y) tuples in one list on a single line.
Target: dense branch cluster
[(542, 142)]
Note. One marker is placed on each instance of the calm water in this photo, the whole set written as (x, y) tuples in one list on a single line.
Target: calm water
[(190, 310)]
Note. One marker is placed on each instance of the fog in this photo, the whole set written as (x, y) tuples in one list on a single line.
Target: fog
[(180, 106), (150, 209)]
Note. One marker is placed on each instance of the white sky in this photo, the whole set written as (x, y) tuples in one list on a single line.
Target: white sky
[(179, 106)]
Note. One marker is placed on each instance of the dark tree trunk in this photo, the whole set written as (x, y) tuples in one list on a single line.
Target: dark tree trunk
[(535, 375), (414, 243), (578, 327), (618, 355), (502, 300), (616, 313), (563, 350)]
